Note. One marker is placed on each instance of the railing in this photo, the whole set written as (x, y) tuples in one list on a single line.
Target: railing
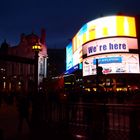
[(96, 120)]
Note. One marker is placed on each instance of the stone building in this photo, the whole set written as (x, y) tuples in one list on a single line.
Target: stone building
[(17, 63)]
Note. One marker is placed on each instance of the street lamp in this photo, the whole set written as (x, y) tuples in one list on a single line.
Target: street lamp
[(36, 48), (35, 112)]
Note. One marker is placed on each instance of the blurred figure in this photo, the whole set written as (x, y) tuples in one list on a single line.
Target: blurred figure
[(23, 105)]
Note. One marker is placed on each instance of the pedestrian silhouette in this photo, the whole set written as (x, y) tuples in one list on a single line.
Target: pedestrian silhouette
[(23, 105)]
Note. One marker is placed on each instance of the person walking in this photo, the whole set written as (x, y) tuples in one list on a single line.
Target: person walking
[(23, 105)]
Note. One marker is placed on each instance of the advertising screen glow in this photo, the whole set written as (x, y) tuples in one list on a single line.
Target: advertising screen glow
[(112, 63), (105, 27), (77, 56)]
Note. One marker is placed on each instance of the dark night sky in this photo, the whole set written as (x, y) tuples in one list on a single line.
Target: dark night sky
[(61, 18)]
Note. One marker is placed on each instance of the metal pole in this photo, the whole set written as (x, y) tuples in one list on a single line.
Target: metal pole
[(36, 71), (97, 76), (35, 113)]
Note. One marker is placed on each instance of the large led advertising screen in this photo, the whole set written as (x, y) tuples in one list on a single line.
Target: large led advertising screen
[(110, 26), (112, 63), (109, 45), (77, 56)]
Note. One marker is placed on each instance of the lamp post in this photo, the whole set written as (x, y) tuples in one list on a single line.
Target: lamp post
[(97, 77), (35, 111), (36, 48)]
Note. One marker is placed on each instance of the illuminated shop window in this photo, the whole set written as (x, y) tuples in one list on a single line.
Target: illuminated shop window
[(10, 86), (4, 84), (19, 85), (121, 89)]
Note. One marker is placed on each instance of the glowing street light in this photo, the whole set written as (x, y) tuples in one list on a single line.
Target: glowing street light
[(36, 48)]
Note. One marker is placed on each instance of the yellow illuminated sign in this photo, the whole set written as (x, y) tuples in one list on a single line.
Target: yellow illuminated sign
[(105, 27)]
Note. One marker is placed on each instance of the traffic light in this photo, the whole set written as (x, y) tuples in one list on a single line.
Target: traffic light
[(99, 71)]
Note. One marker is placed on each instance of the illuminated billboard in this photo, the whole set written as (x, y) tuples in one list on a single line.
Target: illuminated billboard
[(74, 68), (108, 45), (110, 26), (69, 56), (112, 63), (77, 56)]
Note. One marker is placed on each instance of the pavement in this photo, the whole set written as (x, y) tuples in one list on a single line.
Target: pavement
[(9, 127), (9, 124), (43, 130)]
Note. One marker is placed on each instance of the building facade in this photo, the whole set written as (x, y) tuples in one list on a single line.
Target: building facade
[(114, 42), (56, 62), (17, 64)]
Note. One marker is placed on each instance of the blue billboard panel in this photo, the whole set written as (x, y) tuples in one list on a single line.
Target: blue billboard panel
[(108, 60), (83, 30), (69, 56), (74, 68)]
